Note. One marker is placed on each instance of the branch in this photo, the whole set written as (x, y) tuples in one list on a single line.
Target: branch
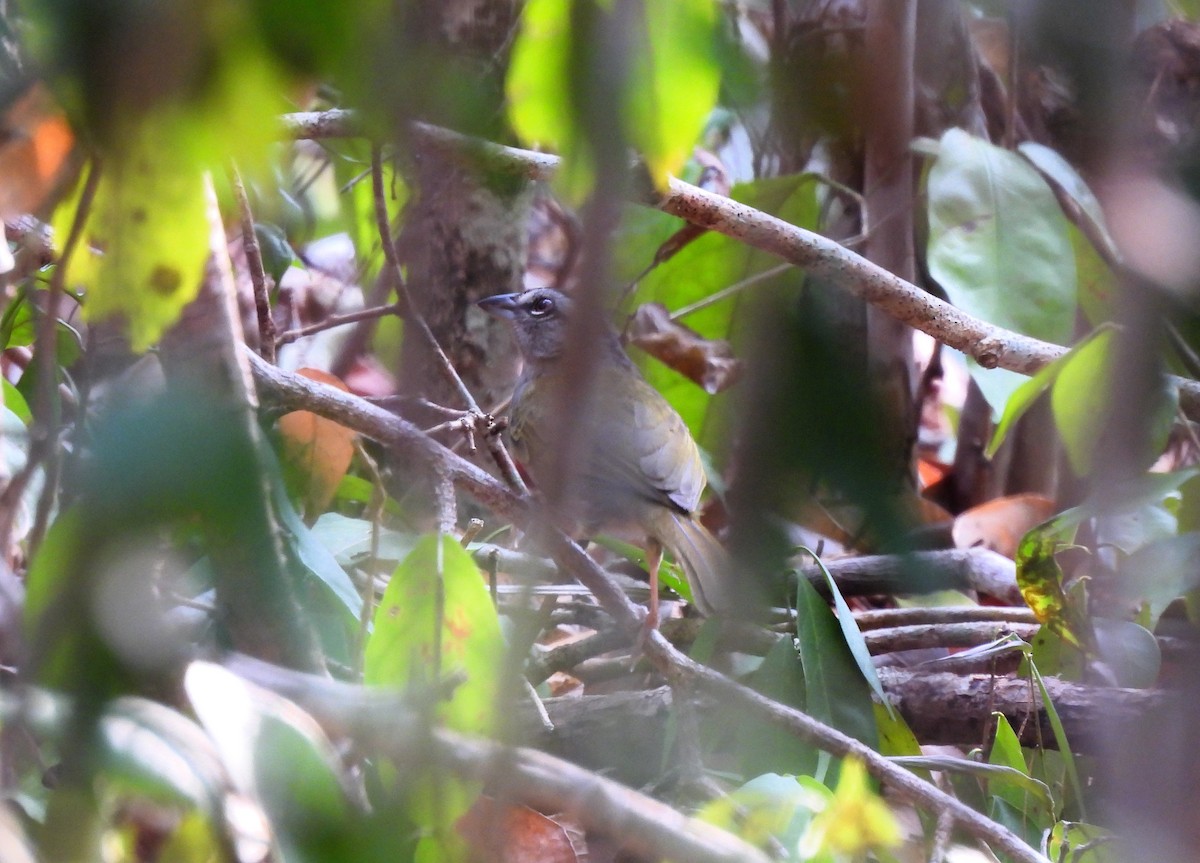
[(991, 346)]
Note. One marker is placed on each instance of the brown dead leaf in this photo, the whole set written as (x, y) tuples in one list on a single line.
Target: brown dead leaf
[(501, 833), (1001, 523), (319, 450), (710, 363)]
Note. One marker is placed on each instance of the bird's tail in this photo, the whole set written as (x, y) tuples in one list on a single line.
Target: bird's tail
[(704, 561)]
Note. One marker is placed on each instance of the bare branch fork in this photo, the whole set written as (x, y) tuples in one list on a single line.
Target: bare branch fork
[(290, 392), (989, 345)]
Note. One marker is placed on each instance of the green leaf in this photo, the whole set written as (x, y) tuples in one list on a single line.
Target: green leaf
[(312, 554), (1040, 578), (439, 575), (1080, 395), (1059, 171), (999, 246), (1129, 651), (401, 648), (150, 749), (349, 539), (998, 240), (1017, 778), (1083, 843), (149, 217), (853, 636), (15, 402), (671, 88), (763, 747), (1027, 393), (768, 807), (836, 690), (1060, 739), (675, 83), (708, 264)]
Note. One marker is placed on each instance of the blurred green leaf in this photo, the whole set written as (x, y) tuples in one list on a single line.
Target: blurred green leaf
[(761, 746), (1080, 395), (1129, 651), (313, 555), (149, 749), (672, 86), (15, 403), (1083, 843), (1058, 170), (998, 241), (770, 807), (440, 576)]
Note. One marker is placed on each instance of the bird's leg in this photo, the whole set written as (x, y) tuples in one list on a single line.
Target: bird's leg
[(654, 556)]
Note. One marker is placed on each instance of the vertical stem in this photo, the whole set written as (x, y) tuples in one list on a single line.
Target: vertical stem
[(258, 276)]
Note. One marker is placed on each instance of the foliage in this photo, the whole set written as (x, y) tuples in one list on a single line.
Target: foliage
[(160, 522)]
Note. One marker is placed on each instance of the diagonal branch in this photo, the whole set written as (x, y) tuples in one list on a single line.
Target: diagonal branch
[(991, 346)]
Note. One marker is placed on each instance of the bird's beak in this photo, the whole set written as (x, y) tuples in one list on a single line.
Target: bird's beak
[(501, 305)]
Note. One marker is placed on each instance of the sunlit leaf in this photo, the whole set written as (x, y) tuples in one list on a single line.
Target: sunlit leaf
[(768, 807), (1080, 395), (672, 85), (1041, 579), (408, 642), (856, 819), (1027, 393), (1084, 843), (675, 82), (149, 223)]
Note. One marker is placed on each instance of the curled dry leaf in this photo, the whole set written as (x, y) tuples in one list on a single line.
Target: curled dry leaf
[(1001, 523), (318, 450), (710, 363), (507, 833)]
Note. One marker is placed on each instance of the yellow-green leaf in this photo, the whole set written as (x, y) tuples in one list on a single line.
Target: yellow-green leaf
[(1041, 579), (149, 228)]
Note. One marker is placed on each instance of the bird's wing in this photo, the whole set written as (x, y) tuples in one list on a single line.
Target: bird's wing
[(640, 441)]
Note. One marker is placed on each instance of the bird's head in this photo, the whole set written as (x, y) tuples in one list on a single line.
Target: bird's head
[(539, 318)]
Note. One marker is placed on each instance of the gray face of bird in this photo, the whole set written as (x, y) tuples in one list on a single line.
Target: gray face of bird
[(539, 318)]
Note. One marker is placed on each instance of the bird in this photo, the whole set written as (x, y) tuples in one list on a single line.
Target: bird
[(638, 476)]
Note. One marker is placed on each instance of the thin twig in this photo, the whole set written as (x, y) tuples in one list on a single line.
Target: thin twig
[(254, 262), (332, 321), (46, 406)]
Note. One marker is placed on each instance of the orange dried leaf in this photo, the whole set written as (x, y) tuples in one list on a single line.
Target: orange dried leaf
[(507, 833), (36, 141), (999, 524), (318, 449)]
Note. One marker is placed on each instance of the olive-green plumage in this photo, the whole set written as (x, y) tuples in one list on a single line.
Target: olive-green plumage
[(640, 476)]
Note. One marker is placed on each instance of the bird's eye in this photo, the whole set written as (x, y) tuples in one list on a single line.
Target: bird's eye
[(541, 306)]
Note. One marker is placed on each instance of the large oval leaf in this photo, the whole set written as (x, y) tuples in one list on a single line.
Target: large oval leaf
[(998, 241)]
